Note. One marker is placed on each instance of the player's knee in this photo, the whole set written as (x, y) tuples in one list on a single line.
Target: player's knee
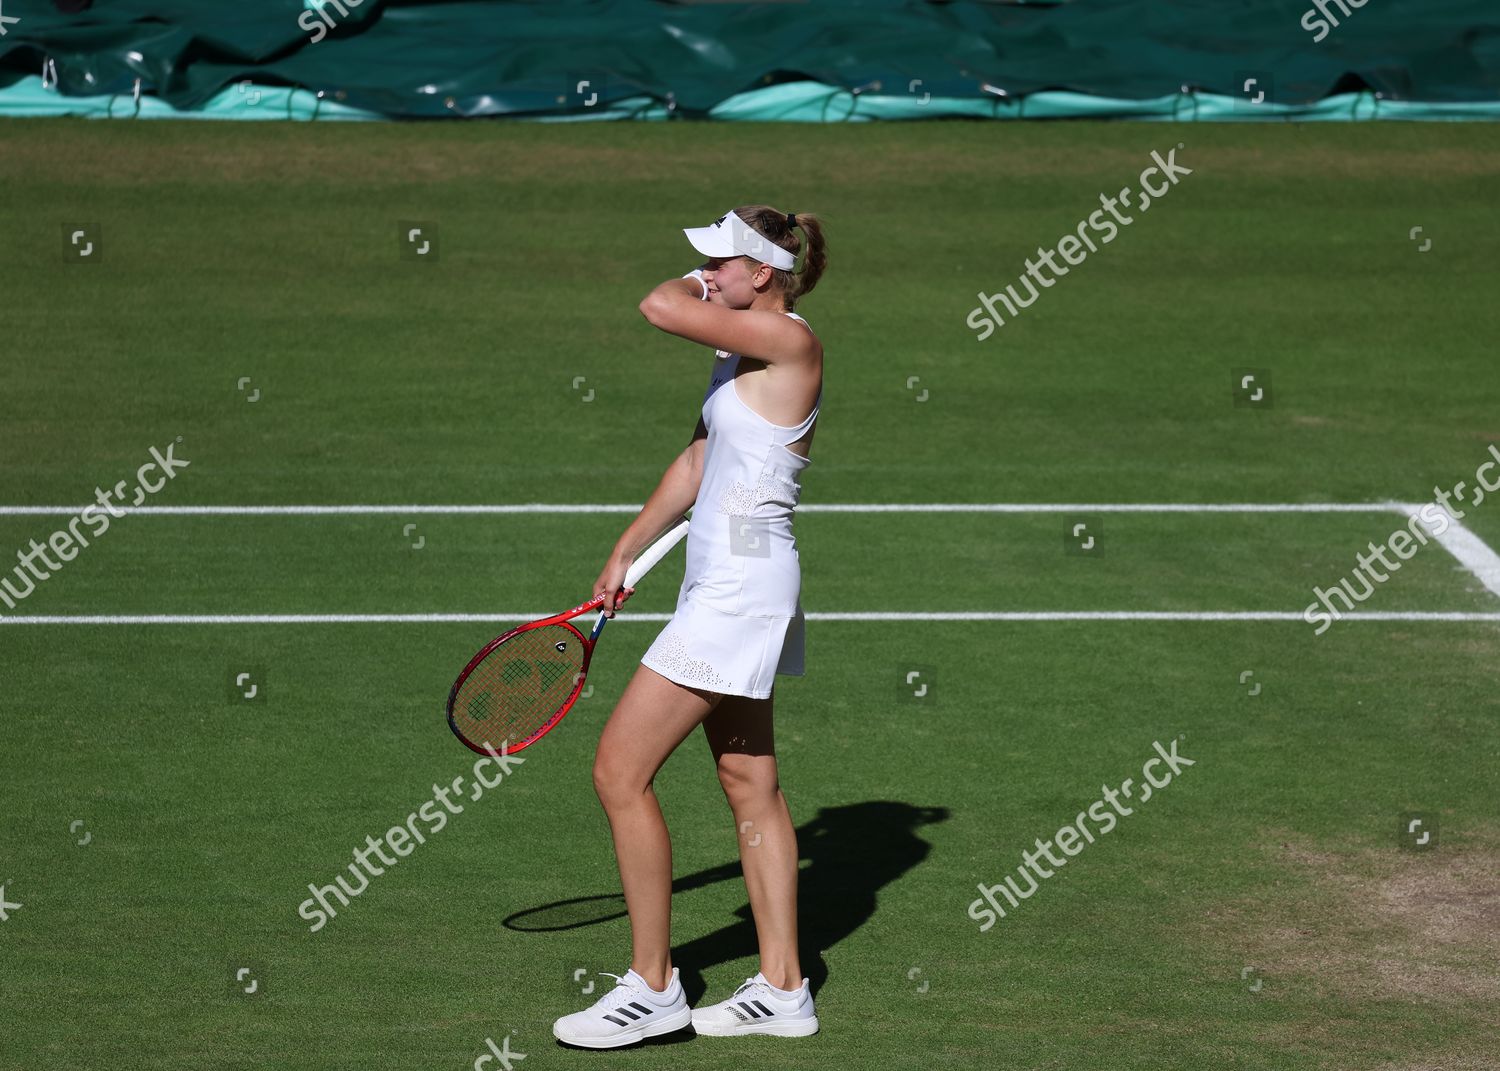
[(747, 779), (612, 781)]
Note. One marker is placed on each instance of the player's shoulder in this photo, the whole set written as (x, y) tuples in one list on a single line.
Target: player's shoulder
[(803, 321)]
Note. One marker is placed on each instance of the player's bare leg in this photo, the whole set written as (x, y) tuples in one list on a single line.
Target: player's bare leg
[(740, 734), (653, 716)]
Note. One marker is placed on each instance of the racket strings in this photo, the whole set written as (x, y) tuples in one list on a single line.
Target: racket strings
[(519, 686)]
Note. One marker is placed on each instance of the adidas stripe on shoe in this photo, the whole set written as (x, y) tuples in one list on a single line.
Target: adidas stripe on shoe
[(758, 1007), (630, 1012)]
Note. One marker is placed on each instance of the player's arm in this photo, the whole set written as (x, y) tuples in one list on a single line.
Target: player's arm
[(676, 308), (673, 497)]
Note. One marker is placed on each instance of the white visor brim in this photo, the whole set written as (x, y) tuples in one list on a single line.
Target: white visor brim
[(730, 236)]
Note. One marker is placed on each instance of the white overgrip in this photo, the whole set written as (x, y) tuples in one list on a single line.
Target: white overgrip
[(654, 553)]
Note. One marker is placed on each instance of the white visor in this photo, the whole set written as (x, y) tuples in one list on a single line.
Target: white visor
[(730, 236)]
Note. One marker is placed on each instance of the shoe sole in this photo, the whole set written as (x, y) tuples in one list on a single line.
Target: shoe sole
[(630, 1037), (787, 1028)]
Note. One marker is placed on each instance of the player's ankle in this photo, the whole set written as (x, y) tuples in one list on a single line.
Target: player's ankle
[(658, 980), (787, 982)]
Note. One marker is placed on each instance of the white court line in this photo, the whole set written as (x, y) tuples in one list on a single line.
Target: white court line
[(1468, 549), (815, 507), (517, 618), (1473, 553), (318, 511)]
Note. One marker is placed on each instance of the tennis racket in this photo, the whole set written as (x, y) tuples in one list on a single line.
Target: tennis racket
[(519, 686)]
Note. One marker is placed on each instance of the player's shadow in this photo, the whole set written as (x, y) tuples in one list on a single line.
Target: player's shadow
[(851, 852)]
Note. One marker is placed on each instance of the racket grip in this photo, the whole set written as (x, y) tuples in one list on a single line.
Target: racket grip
[(655, 553)]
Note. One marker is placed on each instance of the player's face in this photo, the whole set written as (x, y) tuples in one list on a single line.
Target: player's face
[(731, 281)]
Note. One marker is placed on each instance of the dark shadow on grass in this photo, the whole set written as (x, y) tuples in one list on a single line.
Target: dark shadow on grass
[(676, 1037), (850, 853)]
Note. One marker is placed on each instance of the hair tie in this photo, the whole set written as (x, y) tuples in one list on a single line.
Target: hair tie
[(791, 220)]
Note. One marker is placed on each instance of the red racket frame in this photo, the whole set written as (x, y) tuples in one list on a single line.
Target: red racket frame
[(588, 653)]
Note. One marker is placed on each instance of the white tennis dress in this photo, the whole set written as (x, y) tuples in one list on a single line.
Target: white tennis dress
[(739, 619)]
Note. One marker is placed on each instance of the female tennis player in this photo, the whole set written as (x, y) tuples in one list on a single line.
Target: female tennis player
[(737, 624)]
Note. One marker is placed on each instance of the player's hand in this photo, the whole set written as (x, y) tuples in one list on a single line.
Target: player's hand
[(610, 583)]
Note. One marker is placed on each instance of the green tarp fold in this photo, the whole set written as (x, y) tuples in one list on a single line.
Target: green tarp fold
[(646, 58)]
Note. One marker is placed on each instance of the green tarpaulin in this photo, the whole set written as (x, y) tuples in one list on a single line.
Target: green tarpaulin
[(841, 59)]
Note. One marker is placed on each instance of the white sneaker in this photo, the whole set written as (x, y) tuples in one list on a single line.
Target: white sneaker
[(758, 1007), (630, 1012)]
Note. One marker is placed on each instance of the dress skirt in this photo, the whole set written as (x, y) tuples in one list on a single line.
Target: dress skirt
[(733, 654)]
